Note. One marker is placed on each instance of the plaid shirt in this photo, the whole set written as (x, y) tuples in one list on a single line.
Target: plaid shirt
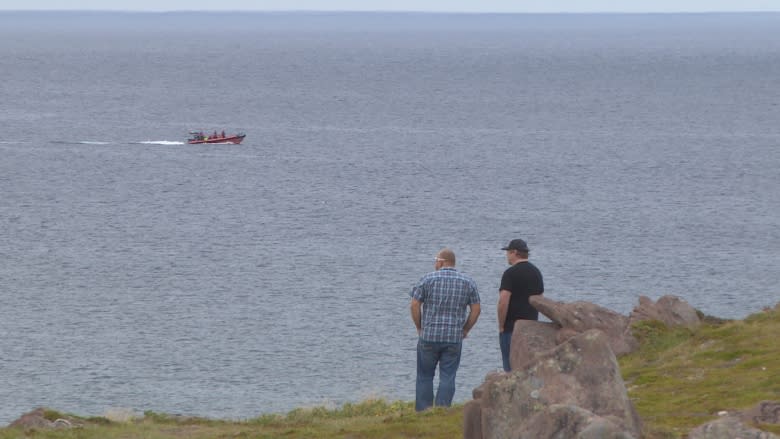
[(446, 295)]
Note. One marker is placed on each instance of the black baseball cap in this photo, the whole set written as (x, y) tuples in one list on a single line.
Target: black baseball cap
[(517, 244)]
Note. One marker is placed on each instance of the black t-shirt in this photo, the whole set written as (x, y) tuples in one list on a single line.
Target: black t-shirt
[(523, 280)]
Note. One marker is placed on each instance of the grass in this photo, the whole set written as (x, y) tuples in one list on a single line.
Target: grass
[(681, 379), (678, 379), (368, 419)]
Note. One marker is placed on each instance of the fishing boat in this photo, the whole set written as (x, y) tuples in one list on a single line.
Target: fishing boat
[(197, 137)]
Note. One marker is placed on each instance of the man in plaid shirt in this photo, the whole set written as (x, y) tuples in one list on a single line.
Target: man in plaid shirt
[(440, 302)]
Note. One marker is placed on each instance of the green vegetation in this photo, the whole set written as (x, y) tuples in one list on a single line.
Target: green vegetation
[(678, 380), (681, 379), (369, 419)]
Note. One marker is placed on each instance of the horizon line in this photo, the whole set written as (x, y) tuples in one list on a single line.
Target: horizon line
[(382, 11)]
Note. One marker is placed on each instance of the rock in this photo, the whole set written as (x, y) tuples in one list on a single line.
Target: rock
[(671, 310), (33, 419), (766, 412), (472, 410), (581, 376), (121, 414), (565, 334), (529, 339), (490, 377), (472, 420), (37, 419), (61, 423), (568, 421), (578, 317), (729, 427)]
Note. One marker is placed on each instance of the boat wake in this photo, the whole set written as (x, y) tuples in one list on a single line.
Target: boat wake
[(140, 142), (157, 142), (80, 142)]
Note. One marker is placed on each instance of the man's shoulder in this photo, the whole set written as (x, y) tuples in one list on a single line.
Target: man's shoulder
[(457, 273), (429, 276), (516, 268), (523, 265), (521, 270), (447, 273), (533, 267)]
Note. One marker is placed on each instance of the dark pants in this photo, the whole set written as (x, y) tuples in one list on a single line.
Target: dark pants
[(505, 341), (447, 356)]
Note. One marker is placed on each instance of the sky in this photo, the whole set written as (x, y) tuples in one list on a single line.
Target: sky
[(532, 6)]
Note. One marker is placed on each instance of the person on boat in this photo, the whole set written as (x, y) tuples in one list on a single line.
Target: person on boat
[(223, 134)]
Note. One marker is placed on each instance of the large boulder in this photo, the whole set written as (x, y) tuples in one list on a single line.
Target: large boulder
[(573, 389), (472, 410), (671, 310), (578, 317), (530, 338)]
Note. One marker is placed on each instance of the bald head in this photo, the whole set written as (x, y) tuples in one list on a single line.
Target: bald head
[(447, 256)]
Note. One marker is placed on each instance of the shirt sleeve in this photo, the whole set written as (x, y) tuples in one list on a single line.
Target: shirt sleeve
[(418, 291), (506, 282), (473, 294)]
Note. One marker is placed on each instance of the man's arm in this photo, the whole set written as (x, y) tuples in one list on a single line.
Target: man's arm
[(415, 307), (474, 310), (503, 307)]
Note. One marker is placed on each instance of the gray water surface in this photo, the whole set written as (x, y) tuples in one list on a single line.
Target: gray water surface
[(638, 155)]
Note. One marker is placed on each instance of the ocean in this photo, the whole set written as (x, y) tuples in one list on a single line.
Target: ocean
[(636, 154)]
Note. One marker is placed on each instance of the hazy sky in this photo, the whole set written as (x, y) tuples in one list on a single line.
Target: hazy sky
[(406, 5)]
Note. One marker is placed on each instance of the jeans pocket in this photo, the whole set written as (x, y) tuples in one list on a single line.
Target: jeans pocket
[(452, 349), (425, 347)]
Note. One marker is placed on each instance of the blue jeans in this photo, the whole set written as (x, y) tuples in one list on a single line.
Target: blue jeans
[(505, 341), (429, 354)]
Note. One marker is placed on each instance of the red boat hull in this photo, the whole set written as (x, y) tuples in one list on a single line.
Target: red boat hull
[(228, 139)]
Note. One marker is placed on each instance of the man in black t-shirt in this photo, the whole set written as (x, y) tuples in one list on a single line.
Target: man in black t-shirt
[(519, 282)]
